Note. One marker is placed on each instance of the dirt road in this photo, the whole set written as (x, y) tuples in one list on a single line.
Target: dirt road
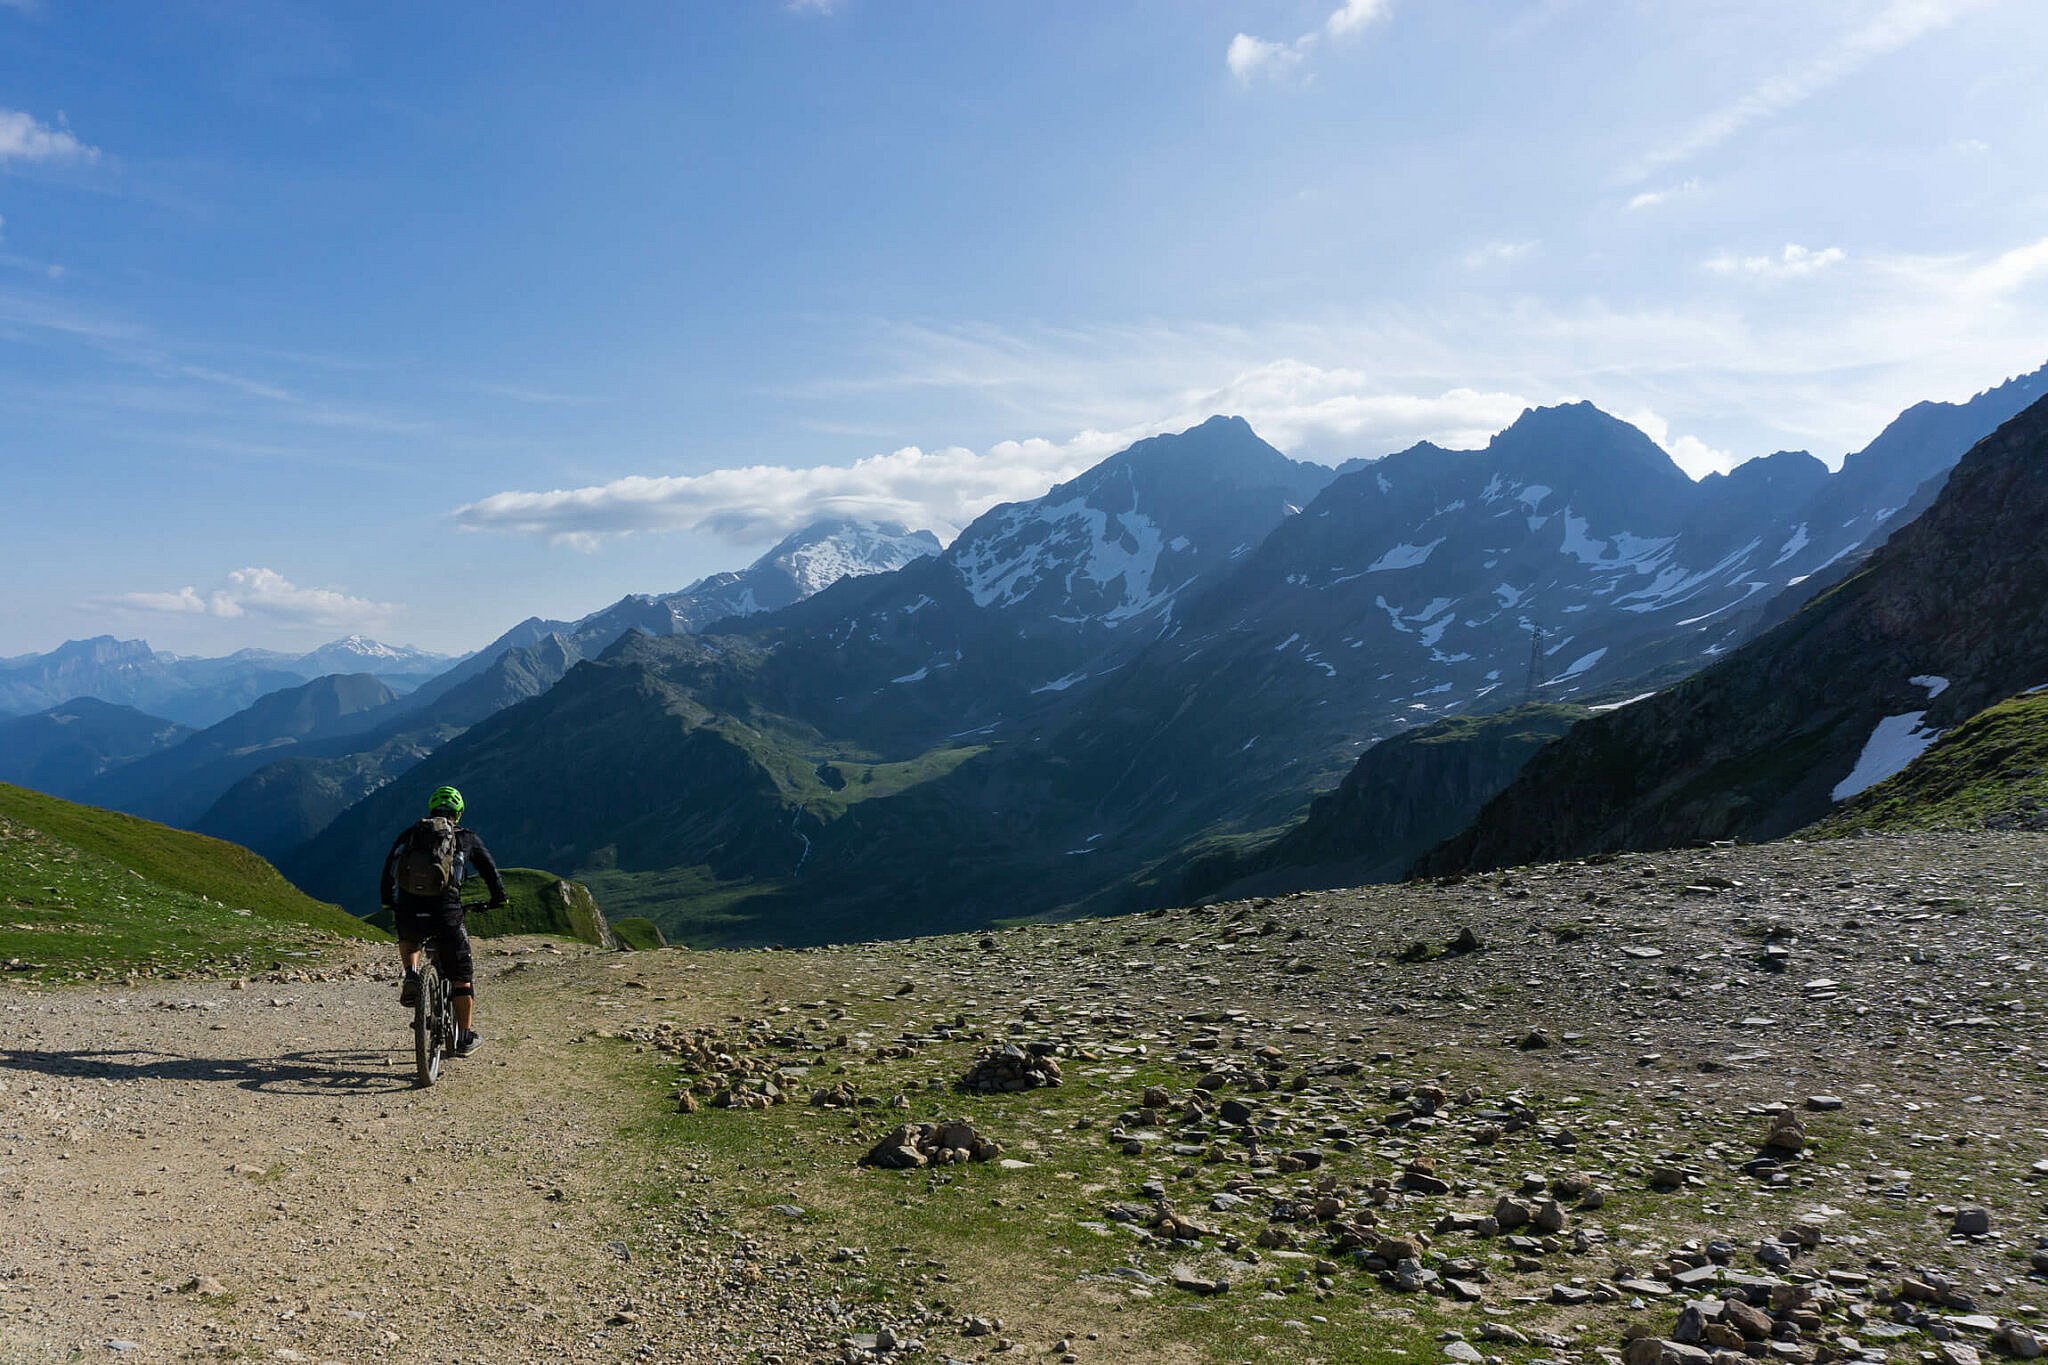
[(191, 1170)]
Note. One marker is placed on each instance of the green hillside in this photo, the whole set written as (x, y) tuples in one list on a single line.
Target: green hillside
[(540, 903), (639, 933), (1989, 772), (86, 892)]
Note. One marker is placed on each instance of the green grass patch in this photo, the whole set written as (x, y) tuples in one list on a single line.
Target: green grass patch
[(688, 904), (178, 860), (849, 782), (639, 933), (68, 913)]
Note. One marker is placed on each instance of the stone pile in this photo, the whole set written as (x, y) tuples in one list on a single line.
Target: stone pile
[(912, 1145), (1011, 1068)]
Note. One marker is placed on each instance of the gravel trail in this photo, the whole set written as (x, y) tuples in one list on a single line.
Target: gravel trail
[(191, 1169)]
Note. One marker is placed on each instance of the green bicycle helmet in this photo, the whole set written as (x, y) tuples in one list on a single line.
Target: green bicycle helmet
[(445, 799)]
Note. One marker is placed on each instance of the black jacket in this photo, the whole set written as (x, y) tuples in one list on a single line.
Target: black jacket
[(470, 852)]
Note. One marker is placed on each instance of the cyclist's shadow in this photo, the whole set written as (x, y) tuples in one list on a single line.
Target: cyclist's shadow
[(330, 1072)]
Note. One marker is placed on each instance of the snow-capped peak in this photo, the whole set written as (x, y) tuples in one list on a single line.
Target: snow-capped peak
[(824, 552), (357, 650)]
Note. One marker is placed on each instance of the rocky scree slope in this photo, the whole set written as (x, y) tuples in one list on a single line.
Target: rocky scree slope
[(1949, 617), (1775, 1102), (1778, 1102)]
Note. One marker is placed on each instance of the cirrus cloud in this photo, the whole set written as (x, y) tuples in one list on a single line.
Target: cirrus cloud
[(264, 593), (1899, 24)]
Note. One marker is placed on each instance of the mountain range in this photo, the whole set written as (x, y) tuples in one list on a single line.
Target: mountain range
[(1125, 691), (194, 691), (1949, 617), (273, 773), (1184, 643)]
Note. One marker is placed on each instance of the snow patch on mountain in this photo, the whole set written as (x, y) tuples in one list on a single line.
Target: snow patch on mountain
[(1404, 556), (1895, 742), (1036, 544)]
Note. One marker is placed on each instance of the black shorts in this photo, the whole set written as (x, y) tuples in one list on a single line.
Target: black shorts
[(443, 926)]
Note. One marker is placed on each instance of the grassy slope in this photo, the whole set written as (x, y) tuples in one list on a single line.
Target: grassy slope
[(1990, 769), (639, 933), (533, 908), (88, 892)]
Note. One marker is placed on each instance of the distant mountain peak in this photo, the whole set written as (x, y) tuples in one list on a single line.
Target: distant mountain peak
[(820, 554)]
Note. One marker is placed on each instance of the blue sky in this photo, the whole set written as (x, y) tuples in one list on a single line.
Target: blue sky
[(421, 319)]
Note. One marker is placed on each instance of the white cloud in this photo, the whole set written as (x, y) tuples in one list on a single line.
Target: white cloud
[(1251, 58), (1334, 414), (1353, 15), (1898, 24), (1792, 263), (23, 137), (1294, 405), (943, 489), (1689, 453), (1650, 199), (265, 593), (1496, 253)]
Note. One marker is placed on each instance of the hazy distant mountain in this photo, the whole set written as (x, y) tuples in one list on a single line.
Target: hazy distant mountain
[(806, 562), (62, 749), (801, 564), (176, 785), (193, 690), (359, 654), (130, 673)]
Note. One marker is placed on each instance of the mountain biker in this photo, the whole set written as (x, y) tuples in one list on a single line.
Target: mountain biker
[(438, 851)]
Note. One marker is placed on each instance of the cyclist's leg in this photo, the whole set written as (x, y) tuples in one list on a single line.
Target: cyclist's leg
[(458, 965), (407, 926)]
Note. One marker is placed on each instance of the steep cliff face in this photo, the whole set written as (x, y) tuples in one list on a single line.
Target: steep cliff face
[(1949, 617), (1405, 795)]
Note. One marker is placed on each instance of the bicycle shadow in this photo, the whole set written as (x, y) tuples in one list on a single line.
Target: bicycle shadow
[(329, 1072)]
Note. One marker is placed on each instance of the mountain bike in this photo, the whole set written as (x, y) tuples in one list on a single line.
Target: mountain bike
[(433, 1014)]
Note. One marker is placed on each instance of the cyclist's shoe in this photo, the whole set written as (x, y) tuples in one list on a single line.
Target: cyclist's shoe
[(468, 1043), (409, 992)]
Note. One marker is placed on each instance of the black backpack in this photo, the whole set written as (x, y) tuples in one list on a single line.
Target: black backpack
[(428, 857)]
